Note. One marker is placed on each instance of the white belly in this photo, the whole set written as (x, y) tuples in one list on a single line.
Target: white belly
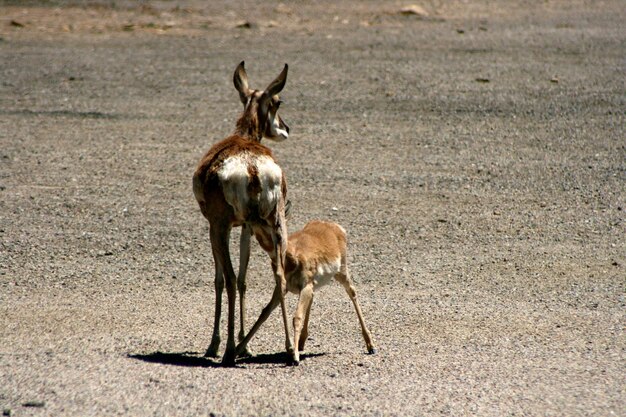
[(326, 272)]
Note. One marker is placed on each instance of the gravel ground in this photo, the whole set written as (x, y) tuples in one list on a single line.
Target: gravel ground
[(476, 156)]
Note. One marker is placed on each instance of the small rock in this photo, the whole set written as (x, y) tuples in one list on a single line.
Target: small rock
[(17, 24), (414, 10), (482, 80), (34, 404), (245, 24)]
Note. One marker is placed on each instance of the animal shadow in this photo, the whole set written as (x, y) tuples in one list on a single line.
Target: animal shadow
[(189, 359), (194, 359), (278, 358)]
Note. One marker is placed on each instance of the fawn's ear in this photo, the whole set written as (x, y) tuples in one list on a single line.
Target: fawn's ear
[(240, 79), (278, 84)]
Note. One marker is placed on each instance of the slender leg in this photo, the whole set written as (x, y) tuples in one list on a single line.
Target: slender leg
[(279, 236), (244, 257), (214, 347), (219, 244), (282, 285), (305, 328), (304, 302), (345, 280), (275, 232), (264, 315)]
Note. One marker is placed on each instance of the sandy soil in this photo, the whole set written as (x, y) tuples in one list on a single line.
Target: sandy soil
[(476, 156)]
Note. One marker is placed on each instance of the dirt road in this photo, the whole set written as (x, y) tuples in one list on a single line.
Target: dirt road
[(476, 155)]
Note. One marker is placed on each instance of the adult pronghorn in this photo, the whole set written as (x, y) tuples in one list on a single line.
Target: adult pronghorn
[(238, 183)]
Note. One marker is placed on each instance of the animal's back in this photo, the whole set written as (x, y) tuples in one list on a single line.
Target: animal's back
[(326, 238), (318, 251), (250, 179)]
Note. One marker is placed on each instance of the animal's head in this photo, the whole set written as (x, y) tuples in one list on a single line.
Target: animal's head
[(260, 115)]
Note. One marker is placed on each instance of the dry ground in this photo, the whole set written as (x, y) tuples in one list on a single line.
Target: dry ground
[(477, 157)]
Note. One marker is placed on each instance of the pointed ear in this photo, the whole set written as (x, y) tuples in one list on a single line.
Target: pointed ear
[(240, 79), (278, 84)]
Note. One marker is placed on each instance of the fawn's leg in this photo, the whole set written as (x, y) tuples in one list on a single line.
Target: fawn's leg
[(345, 280), (304, 303), (305, 328)]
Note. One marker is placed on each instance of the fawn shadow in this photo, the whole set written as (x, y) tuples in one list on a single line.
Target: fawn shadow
[(194, 359), (274, 358)]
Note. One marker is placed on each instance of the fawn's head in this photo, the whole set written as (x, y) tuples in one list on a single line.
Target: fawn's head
[(260, 117)]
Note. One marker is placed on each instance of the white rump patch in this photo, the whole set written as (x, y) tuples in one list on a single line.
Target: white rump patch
[(271, 177), (235, 178)]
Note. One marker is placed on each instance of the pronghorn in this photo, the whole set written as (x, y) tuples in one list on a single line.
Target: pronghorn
[(315, 254), (238, 183)]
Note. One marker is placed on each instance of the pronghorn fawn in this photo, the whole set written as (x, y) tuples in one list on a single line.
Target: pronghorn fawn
[(239, 183), (315, 255)]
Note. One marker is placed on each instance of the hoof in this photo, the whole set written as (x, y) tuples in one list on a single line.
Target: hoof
[(244, 353), (372, 351), (211, 353), (228, 360), (294, 358)]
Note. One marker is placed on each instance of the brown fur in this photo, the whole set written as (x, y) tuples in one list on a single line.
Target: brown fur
[(317, 243), (249, 126), (319, 246)]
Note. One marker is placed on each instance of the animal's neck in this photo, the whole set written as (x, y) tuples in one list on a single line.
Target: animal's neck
[(248, 127)]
